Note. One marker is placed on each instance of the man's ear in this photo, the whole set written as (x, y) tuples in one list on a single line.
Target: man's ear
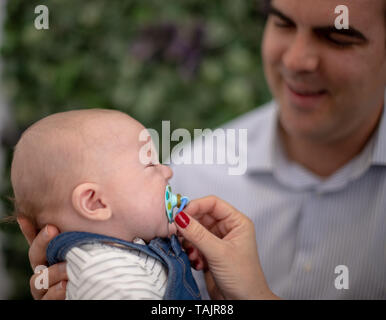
[(89, 202)]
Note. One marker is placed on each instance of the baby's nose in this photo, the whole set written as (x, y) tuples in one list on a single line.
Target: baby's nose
[(167, 171)]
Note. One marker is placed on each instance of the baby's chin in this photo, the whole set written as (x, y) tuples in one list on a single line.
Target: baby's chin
[(167, 230), (172, 229)]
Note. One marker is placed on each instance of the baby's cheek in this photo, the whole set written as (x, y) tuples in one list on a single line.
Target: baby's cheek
[(158, 220)]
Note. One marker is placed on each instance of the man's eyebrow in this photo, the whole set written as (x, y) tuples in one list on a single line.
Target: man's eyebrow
[(351, 32), (276, 12)]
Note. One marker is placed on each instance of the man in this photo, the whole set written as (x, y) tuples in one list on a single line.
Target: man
[(315, 184), (316, 180)]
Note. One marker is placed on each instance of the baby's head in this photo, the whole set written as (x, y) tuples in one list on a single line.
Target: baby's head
[(81, 171)]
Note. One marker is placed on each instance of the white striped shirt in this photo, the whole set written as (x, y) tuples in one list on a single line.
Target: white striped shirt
[(105, 272), (305, 226)]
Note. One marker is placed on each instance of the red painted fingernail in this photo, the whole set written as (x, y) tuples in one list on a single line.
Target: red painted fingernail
[(182, 220)]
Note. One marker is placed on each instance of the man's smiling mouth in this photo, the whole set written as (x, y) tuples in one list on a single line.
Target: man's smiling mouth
[(304, 97), (303, 90)]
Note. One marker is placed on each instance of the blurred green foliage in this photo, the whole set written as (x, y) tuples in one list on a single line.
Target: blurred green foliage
[(196, 63)]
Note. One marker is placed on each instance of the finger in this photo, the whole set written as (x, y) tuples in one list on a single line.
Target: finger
[(37, 251), (198, 264), (192, 254), (200, 237), (57, 292), (27, 228), (212, 288), (189, 247), (213, 206), (55, 274), (195, 257), (187, 244), (203, 264), (215, 214)]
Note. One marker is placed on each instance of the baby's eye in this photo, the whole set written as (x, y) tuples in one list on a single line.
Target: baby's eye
[(150, 165)]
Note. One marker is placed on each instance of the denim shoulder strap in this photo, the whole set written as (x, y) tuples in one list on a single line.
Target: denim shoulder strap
[(181, 284), (64, 242)]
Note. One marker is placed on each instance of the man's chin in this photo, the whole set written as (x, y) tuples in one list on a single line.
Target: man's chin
[(302, 125)]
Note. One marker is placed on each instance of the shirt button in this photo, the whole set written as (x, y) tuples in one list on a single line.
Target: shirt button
[(307, 267)]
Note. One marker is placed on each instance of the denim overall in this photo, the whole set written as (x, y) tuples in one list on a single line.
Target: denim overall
[(181, 284)]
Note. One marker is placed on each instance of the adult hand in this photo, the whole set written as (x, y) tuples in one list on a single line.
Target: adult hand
[(226, 238), (57, 276)]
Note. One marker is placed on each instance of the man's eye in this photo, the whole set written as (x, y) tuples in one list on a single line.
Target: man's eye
[(280, 23), (339, 40)]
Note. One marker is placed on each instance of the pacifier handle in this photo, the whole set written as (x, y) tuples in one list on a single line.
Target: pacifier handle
[(184, 202), (173, 201)]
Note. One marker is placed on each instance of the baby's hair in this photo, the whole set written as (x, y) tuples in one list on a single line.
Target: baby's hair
[(47, 163), (24, 203), (12, 217)]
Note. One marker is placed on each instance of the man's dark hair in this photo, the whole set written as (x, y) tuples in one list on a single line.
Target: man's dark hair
[(264, 6)]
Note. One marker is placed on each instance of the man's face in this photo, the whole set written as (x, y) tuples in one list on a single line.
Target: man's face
[(328, 82)]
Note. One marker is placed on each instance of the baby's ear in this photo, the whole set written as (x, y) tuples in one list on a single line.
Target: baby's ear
[(88, 200)]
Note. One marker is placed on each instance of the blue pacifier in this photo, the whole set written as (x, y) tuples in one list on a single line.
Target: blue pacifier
[(172, 201)]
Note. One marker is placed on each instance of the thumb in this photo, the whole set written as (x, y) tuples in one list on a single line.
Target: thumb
[(27, 229), (198, 235)]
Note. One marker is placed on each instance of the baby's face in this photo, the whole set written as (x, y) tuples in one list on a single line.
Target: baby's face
[(136, 190)]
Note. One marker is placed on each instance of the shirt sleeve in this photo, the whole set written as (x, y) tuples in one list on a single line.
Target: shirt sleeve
[(114, 275)]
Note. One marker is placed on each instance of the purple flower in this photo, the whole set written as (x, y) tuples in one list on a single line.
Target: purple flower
[(167, 43)]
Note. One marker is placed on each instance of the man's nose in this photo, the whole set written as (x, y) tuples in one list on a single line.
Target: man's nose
[(301, 55), (167, 172)]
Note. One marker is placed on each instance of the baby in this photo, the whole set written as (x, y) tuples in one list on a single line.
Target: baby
[(82, 172)]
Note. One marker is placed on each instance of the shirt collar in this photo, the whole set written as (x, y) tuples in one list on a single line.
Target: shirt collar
[(261, 142), (379, 155), (266, 154)]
